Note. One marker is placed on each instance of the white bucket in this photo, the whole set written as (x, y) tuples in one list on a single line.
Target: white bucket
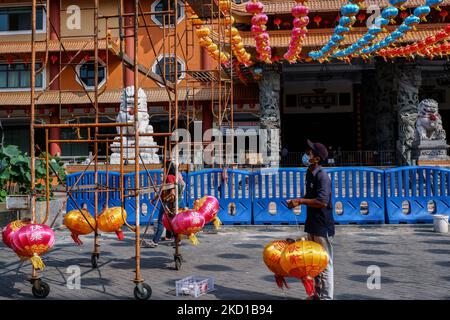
[(440, 223)]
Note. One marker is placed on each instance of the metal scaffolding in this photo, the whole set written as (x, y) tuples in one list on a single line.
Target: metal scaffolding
[(127, 31)]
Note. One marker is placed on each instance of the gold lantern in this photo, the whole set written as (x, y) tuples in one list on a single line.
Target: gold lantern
[(304, 259), (111, 220)]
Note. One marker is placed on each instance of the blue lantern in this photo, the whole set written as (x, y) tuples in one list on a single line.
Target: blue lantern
[(381, 22), (389, 13), (412, 20), (350, 10), (374, 30), (398, 3), (368, 37), (404, 28), (337, 38), (434, 3), (397, 35), (345, 21), (422, 12), (340, 29)]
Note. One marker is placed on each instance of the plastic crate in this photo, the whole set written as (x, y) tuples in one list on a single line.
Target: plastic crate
[(194, 286)]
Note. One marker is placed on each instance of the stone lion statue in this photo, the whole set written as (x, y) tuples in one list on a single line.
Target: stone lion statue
[(429, 122), (126, 113)]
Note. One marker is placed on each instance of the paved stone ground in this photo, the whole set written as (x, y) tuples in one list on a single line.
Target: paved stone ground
[(414, 262)]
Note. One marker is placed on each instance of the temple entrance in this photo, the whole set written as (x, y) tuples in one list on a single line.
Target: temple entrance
[(331, 129)]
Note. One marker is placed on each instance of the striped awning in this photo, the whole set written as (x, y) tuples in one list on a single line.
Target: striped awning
[(154, 95)]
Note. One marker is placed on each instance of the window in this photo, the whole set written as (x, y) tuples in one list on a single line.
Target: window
[(86, 74), (168, 64), (18, 20), (17, 76), (163, 5)]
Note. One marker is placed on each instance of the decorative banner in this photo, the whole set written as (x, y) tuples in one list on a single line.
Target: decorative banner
[(259, 30)]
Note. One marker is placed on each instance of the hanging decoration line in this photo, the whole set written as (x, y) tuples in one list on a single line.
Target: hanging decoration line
[(299, 31), (346, 22), (259, 30)]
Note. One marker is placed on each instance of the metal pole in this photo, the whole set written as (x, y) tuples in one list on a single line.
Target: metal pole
[(96, 236), (138, 278)]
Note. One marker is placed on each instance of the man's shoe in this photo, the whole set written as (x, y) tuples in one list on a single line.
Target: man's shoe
[(149, 244)]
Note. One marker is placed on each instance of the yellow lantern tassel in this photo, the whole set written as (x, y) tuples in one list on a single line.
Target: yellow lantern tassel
[(438, 8), (193, 239), (37, 263), (424, 19), (217, 223)]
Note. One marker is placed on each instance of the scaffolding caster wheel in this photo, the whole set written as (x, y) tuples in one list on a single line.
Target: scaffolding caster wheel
[(178, 261), (94, 260), (142, 291), (40, 289)]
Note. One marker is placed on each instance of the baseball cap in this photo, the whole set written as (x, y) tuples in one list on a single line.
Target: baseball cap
[(319, 149)]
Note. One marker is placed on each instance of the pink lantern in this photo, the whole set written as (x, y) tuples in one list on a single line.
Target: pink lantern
[(187, 223), (300, 11), (208, 207), (260, 19), (33, 240), (254, 7), (301, 22), (9, 231)]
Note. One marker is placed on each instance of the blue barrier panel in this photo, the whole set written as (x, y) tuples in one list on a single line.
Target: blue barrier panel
[(414, 194), (82, 192), (357, 195), (234, 195), (272, 187), (147, 182)]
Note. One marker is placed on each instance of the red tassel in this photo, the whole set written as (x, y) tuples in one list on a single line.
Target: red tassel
[(76, 239), (281, 282), (119, 234), (308, 283)]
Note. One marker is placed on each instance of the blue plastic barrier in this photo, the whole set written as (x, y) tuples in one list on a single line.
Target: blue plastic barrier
[(147, 181), (414, 194), (82, 191), (357, 195), (271, 190), (234, 195)]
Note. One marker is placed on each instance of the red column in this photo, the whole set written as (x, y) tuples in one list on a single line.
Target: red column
[(55, 133), (129, 40), (206, 64)]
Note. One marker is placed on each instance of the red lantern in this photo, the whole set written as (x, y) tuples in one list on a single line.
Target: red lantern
[(87, 57), (447, 28), (441, 35), (33, 240), (117, 109), (404, 14), (53, 59), (277, 22), (25, 61), (338, 17), (87, 110), (70, 109), (361, 17), (326, 23), (10, 60), (101, 109), (443, 14), (318, 20), (42, 111), (9, 112)]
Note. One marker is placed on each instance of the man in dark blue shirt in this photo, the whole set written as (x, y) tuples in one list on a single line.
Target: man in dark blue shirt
[(319, 214)]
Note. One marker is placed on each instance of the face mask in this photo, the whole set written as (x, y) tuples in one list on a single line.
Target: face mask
[(305, 160)]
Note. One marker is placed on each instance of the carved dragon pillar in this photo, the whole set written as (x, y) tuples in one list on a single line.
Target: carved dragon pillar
[(269, 98), (409, 79)]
